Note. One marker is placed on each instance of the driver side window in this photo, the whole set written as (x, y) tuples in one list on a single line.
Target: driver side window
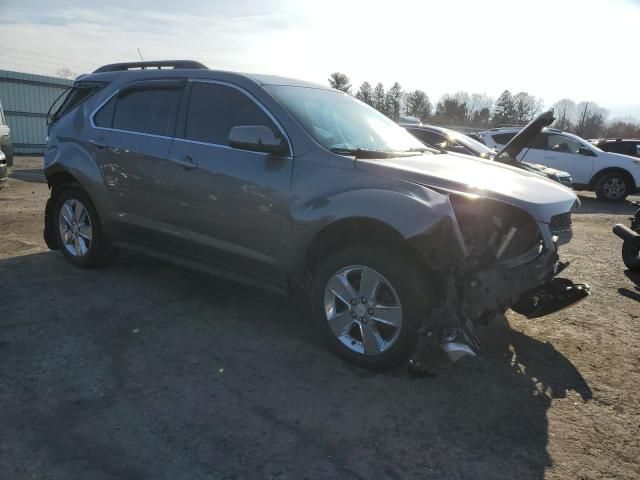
[(562, 144), (214, 109)]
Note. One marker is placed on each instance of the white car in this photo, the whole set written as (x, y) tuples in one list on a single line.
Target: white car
[(611, 175)]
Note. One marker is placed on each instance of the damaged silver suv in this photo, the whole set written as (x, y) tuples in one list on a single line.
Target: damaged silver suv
[(288, 185)]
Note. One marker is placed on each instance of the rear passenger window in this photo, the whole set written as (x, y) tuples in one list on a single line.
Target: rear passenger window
[(145, 109), (215, 109)]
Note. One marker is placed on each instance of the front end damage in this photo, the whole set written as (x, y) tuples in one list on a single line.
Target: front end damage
[(499, 258)]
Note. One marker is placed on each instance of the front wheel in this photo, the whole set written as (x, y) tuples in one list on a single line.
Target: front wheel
[(369, 302), (612, 187)]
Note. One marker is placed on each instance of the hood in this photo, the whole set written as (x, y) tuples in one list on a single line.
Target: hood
[(538, 196), (510, 151), (619, 157)]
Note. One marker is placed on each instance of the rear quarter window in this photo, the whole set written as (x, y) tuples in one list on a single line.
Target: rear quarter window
[(78, 93)]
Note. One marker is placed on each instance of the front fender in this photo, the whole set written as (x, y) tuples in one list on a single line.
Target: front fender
[(421, 216)]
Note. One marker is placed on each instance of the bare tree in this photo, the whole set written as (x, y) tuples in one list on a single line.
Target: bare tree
[(479, 106), (565, 113), (627, 127), (64, 72), (590, 119), (526, 106)]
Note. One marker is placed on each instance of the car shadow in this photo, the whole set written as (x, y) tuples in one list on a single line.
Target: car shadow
[(28, 175), (143, 369), (592, 205), (629, 293)]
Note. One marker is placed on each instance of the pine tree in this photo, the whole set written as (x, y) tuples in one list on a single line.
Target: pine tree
[(418, 105), (394, 101), (504, 111), (365, 93), (379, 99), (340, 81)]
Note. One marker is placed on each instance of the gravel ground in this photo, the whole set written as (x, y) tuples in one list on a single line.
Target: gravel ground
[(143, 370)]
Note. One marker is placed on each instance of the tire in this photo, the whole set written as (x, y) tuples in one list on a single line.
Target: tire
[(91, 249), (613, 187), (630, 254), (401, 283)]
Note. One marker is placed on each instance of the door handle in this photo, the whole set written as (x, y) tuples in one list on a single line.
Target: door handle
[(187, 163)]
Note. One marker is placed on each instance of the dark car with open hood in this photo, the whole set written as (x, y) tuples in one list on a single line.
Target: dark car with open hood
[(292, 186), (449, 140)]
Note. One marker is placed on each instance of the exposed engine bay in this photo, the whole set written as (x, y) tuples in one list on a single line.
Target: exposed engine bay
[(508, 264)]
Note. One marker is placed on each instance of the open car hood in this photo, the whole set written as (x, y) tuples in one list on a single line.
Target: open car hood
[(510, 151)]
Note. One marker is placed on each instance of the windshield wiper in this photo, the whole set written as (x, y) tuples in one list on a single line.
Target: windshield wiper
[(426, 149), (364, 153)]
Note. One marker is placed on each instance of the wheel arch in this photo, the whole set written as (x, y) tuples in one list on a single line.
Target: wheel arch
[(347, 232), (418, 220), (596, 178)]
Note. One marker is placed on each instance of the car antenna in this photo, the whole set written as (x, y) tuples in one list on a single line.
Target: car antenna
[(139, 53)]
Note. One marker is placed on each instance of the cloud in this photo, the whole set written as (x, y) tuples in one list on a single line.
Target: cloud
[(554, 50)]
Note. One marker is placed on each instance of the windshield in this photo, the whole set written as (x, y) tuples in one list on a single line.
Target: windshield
[(337, 121)]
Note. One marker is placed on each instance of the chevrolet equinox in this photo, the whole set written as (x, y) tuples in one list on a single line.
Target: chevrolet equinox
[(289, 185)]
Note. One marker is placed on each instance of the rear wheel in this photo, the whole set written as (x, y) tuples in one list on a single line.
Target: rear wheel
[(78, 230), (613, 187), (369, 302)]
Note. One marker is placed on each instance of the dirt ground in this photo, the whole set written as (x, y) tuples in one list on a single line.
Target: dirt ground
[(143, 370)]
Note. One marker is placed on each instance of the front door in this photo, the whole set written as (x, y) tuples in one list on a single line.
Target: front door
[(230, 204), (563, 153)]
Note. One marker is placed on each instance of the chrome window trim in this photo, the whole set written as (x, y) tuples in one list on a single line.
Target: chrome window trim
[(196, 80)]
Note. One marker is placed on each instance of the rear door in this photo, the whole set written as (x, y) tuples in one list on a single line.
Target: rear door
[(132, 135), (231, 205)]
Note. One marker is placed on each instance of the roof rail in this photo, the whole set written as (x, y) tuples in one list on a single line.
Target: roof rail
[(174, 64)]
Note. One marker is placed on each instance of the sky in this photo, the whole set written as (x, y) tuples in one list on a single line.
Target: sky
[(553, 49)]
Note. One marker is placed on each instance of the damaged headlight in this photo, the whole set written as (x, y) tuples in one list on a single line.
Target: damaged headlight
[(494, 231)]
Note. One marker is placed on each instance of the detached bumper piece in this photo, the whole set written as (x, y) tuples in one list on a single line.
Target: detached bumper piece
[(551, 297)]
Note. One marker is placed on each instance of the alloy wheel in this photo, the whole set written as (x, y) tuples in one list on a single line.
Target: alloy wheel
[(363, 310), (614, 188), (75, 227)]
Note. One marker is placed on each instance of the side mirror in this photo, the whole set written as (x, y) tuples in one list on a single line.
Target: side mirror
[(586, 151), (256, 138)]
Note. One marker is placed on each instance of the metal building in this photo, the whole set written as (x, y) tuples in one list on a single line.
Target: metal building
[(26, 98)]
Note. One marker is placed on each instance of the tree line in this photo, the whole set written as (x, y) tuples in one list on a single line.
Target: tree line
[(477, 110)]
